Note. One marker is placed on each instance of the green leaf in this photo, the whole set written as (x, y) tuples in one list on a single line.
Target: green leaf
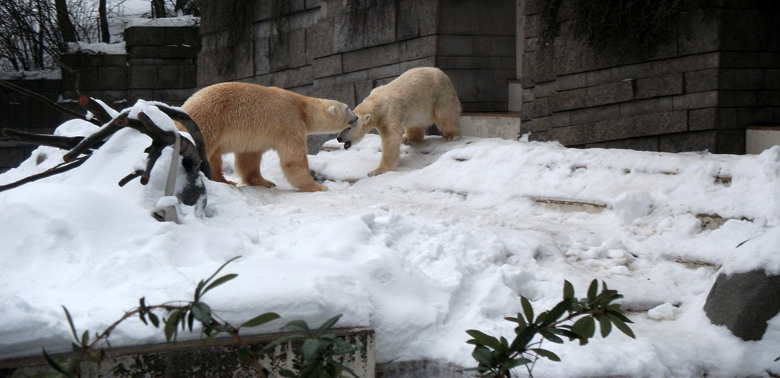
[(154, 319), (568, 290), (482, 355), (527, 309), (326, 326), (260, 320), (605, 324), (85, 338), (52, 363), (344, 368), (515, 362), (70, 321), (547, 354), (297, 326), (564, 332), (585, 327), (550, 336), (171, 324), (558, 311), (201, 312), (484, 339), (220, 268), (619, 315), (593, 290), (190, 321), (621, 326), (310, 349), (219, 281)]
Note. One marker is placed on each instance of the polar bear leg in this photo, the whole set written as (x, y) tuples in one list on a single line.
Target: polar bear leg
[(248, 168), (215, 163), (391, 149), (448, 124), (295, 166), (414, 135)]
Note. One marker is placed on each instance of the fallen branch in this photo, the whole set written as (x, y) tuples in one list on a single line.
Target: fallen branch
[(61, 142), (45, 100)]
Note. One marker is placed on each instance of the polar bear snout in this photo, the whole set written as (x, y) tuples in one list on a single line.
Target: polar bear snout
[(343, 137)]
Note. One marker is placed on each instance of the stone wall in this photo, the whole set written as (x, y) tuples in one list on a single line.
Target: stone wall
[(717, 75), (342, 49), (160, 65)]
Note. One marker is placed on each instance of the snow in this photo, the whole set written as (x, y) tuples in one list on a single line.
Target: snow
[(443, 245)]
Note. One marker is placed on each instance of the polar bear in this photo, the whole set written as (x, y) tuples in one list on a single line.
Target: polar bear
[(420, 97), (249, 119)]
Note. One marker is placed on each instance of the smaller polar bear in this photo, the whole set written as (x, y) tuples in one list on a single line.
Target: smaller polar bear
[(249, 119), (420, 97)]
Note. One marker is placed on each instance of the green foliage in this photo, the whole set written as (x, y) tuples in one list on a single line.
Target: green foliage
[(497, 357), (315, 350)]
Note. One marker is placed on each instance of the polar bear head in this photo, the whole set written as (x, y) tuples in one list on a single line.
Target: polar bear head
[(334, 116), (367, 119)]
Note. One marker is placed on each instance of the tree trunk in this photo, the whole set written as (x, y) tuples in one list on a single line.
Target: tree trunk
[(67, 30), (105, 34), (158, 9)]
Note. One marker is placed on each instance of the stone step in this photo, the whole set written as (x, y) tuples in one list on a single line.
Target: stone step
[(491, 125)]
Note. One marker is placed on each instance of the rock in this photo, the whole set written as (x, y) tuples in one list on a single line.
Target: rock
[(744, 302)]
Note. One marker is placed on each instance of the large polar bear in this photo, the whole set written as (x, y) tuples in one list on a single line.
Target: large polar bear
[(420, 97), (249, 119)]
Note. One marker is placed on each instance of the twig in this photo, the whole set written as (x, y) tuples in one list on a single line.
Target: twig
[(97, 110), (61, 142)]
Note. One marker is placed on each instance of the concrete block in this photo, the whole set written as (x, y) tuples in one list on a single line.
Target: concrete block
[(696, 100), (688, 142), (319, 38), (666, 85), (362, 90), (170, 77), (609, 93), (182, 36), (371, 57), (701, 81), (699, 33), (262, 52), (348, 32), (428, 12), (639, 107), (143, 77), (544, 89), (540, 108), (561, 119), (595, 114), (351, 77), (498, 18), (417, 48), (327, 66), (772, 79), (459, 17), (147, 36), (465, 82), (731, 142), (568, 100), (380, 25), (423, 62), (741, 79), (390, 70), (490, 126), (113, 78), (566, 82), (407, 23), (455, 45)]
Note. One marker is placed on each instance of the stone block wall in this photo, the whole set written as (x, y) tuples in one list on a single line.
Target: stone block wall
[(160, 65), (698, 91), (342, 49)]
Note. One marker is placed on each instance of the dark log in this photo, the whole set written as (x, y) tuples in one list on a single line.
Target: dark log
[(185, 120), (61, 142), (64, 167), (93, 140), (94, 107)]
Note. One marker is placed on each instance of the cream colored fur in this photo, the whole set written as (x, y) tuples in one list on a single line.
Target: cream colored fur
[(419, 98), (249, 119)]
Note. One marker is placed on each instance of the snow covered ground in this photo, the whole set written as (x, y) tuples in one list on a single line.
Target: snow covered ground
[(445, 244)]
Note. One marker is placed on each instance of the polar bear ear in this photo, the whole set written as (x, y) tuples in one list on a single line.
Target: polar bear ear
[(368, 117), (332, 110)]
